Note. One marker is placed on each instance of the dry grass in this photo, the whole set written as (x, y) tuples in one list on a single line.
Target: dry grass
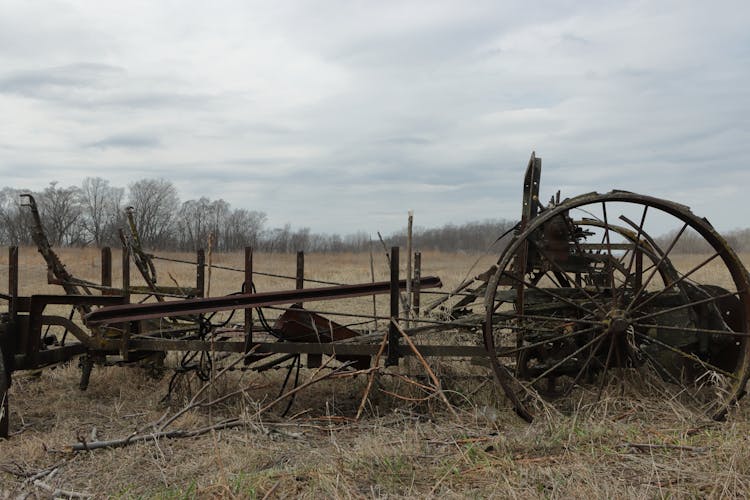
[(399, 449)]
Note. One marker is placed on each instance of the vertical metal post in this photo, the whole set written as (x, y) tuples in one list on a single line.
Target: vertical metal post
[(7, 348), (200, 273), (300, 280), (416, 287), (13, 282), (393, 335), (125, 275), (409, 268), (313, 360), (107, 270), (9, 344), (248, 288), (126, 327)]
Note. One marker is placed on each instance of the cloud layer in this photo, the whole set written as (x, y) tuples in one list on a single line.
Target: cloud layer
[(342, 116)]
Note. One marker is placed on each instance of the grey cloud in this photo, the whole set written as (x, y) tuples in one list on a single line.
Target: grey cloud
[(95, 86), (132, 141), (40, 83), (406, 141), (136, 99)]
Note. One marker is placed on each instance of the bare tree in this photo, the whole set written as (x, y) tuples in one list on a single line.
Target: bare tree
[(155, 202), (243, 227), (218, 211), (102, 208), (15, 226), (193, 223), (299, 240), (60, 208)]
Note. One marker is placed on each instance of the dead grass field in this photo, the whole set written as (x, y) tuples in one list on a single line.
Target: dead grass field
[(398, 449)]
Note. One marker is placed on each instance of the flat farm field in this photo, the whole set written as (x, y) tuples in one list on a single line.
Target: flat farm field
[(404, 444)]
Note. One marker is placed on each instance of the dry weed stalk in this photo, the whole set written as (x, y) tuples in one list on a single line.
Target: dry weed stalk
[(159, 428)]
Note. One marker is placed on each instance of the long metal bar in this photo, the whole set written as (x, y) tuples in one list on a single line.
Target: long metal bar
[(133, 312), (107, 267), (328, 349)]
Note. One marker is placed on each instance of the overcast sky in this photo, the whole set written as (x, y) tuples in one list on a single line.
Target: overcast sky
[(343, 115)]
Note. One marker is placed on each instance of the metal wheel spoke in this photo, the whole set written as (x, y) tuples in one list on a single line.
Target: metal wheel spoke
[(687, 355), (606, 367), (576, 285), (679, 280), (558, 319), (552, 294), (526, 327), (728, 333), (656, 267), (566, 358), (685, 306), (515, 350), (585, 365), (637, 241), (661, 368)]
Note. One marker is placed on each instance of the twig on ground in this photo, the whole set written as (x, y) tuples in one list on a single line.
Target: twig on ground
[(270, 492), (406, 398), (178, 433), (60, 493), (663, 446)]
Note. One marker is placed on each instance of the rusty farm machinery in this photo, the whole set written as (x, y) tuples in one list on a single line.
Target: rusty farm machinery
[(586, 292)]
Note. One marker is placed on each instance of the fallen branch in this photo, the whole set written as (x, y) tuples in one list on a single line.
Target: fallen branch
[(273, 488), (153, 436), (60, 493), (663, 446)]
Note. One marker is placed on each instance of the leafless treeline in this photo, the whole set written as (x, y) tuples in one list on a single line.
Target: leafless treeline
[(92, 214)]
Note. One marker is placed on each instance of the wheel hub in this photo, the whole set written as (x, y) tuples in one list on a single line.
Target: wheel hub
[(618, 322)]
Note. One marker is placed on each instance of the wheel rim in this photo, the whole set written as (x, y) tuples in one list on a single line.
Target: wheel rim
[(608, 324)]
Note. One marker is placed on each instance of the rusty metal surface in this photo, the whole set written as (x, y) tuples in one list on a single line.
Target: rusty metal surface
[(297, 325), (133, 312)]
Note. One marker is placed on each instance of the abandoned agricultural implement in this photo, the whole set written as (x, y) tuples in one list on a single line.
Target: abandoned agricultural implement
[(584, 295)]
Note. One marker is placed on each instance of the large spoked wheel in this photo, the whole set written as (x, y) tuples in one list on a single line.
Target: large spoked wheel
[(579, 301)]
